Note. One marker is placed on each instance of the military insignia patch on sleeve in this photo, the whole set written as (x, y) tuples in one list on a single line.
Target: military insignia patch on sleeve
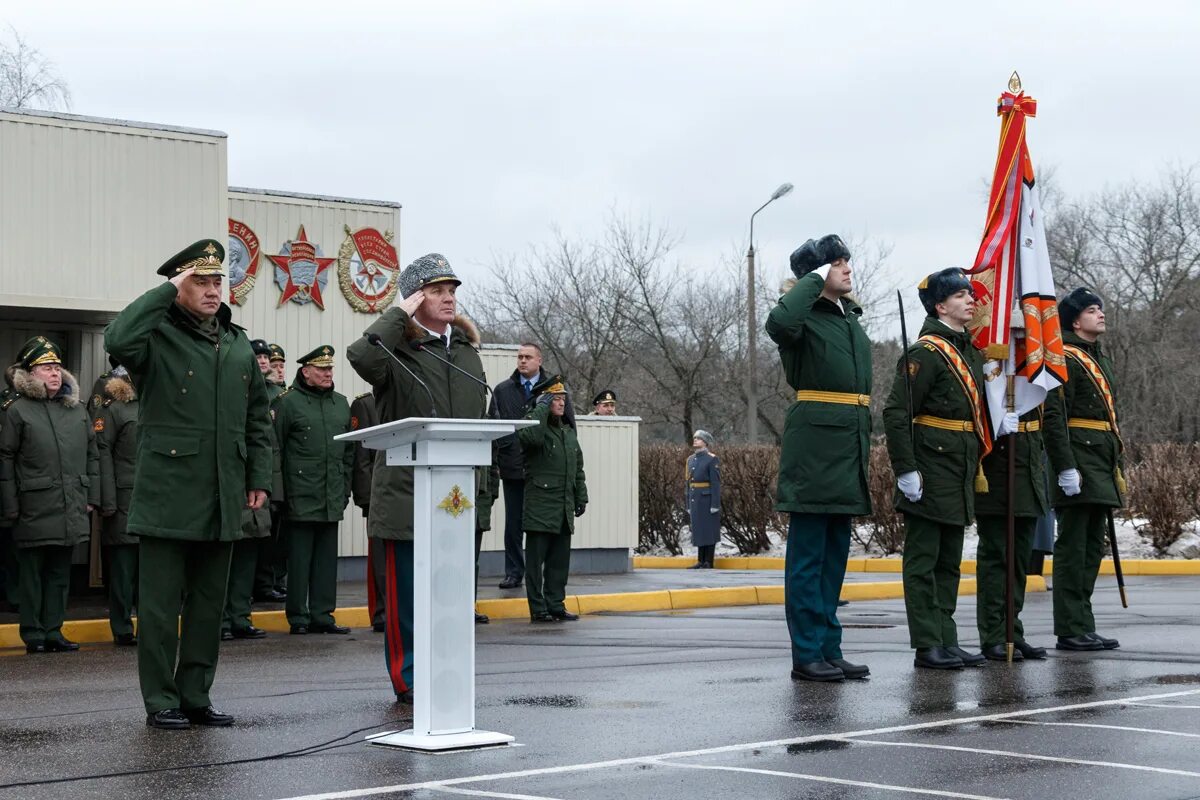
[(913, 369), (96, 400)]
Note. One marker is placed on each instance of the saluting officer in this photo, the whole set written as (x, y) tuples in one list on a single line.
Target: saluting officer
[(1084, 443), (826, 449), (936, 457), (362, 415), (204, 454), (116, 426), (49, 482), (316, 475), (555, 494)]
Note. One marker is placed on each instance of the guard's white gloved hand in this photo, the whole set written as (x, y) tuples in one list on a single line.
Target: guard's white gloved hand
[(823, 271), (714, 511), (910, 485), (1009, 424), (1070, 481)]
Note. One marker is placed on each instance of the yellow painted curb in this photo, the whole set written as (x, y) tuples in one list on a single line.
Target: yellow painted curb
[(1131, 566), (627, 601), (706, 598)]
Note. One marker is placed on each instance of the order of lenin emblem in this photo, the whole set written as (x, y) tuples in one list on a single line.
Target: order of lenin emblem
[(242, 255), (301, 272), (368, 269)]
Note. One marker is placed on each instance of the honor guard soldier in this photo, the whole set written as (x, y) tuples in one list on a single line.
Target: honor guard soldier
[(1084, 443), (604, 404), (703, 492), (407, 356), (116, 426), (555, 494), (49, 483), (204, 454), (362, 415), (823, 464), (936, 456), (316, 475)]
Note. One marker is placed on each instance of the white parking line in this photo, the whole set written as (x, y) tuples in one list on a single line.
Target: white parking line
[(1102, 727), (826, 779), (1031, 756), (733, 748), (482, 793), (1162, 705)]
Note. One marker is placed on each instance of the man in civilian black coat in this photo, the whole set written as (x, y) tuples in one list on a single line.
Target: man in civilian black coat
[(510, 400)]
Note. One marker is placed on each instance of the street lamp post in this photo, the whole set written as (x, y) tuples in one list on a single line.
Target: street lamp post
[(752, 325)]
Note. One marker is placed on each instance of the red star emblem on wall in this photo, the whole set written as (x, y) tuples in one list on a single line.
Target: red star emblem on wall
[(301, 252)]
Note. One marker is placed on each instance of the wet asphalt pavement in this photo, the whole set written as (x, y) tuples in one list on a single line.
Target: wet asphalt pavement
[(653, 705)]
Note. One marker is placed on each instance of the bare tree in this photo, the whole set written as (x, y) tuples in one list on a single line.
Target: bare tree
[(27, 78)]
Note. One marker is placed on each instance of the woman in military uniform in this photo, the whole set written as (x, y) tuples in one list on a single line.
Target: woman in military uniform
[(704, 499)]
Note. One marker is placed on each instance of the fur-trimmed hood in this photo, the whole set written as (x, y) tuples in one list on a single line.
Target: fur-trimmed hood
[(413, 330), (120, 389), (34, 389)]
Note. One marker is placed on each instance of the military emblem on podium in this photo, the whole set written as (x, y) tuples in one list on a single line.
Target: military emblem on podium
[(456, 502), (368, 269), (242, 255), (301, 271)]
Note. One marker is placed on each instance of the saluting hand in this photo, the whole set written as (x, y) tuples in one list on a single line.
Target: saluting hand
[(255, 499), (181, 277), (411, 303)]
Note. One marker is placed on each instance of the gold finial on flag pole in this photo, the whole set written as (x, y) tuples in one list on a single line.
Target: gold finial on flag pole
[(1014, 83)]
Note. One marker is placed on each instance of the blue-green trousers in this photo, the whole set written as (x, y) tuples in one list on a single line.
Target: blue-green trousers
[(815, 567)]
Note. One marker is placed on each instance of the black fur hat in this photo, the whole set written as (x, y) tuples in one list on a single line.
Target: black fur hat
[(816, 253), (940, 285), (1073, 304)]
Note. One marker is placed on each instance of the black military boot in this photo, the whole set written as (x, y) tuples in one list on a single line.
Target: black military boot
[(1108, 644), (851, 671), (968, 659), (999, 652), (817, 671), (170, 719), (936, 658), (1081, 642), (1031, 651)]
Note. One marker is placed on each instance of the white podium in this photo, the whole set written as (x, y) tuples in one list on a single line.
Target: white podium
[(444, 454)]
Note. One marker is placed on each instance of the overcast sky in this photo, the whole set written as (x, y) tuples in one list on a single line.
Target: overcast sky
[(493, 121)]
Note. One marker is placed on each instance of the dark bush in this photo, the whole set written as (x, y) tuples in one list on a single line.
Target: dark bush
[(748, 478), (1164, 489), (661, 512), (883, 529)]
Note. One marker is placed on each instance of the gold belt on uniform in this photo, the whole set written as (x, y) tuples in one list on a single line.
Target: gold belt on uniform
[(700, 484), (1029, 427), (930, 421), (843, 398), (1090, 424)]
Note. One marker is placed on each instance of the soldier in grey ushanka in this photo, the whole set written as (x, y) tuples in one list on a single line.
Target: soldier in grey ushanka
[(704, 499)]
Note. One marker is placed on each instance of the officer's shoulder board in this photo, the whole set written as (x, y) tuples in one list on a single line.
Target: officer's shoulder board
[(9, 402), (107, 402), (361, 396)]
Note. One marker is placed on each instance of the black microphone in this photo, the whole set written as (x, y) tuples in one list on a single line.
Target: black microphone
[(416, 345), (376, 339)]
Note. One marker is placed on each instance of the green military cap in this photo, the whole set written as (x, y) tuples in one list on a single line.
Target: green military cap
[(555, 384), (320, 357), (607, 396), (205, 256), (277, 353), (39, 350), (260, 347)]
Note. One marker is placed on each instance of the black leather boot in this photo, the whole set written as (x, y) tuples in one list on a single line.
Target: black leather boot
[(936, 658), (817, 671)]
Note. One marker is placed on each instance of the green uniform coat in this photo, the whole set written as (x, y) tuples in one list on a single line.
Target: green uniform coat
[(116, 423), (204, 427), (49, 465), (947, 460), (554, 481), (1096, 454), (362, 415), (826, 446), (316, 469), (398, 396), (1029, 499)]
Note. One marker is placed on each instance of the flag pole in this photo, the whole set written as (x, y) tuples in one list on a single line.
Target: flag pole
[(1011, 537)]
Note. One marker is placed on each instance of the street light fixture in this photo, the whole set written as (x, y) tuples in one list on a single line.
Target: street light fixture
[(752, 325)]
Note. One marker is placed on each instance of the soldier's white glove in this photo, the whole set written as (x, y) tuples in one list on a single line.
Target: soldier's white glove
[(714, 511), (1070, 481), (1010, 424), (823, 271), (910, 485)]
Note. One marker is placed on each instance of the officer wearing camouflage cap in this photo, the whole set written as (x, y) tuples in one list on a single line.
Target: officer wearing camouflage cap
[(204, 455)]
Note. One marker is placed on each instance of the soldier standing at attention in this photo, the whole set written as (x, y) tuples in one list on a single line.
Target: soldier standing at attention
[(823, 464), (116, 423), (936, 457), (703, 493), (49, 483), (362, 415), (316, 475), (278, 376), (204, 454), (1085, 449), (555, 494), (270, 576)]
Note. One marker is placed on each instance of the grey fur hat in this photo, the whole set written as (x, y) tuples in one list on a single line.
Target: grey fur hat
[(705, 437), (430, 268)]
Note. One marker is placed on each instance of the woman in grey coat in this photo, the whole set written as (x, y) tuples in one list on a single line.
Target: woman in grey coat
[(704, 498)]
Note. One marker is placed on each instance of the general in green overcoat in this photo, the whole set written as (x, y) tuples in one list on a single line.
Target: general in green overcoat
[(116, 425)]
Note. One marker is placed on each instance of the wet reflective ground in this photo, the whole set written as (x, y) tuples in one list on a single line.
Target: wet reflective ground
[(684, 705)]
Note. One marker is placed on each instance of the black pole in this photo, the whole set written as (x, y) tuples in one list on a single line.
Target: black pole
[(1116, 556)]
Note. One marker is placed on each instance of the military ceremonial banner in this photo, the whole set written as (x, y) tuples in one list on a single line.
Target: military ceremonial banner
[(1017, 319)]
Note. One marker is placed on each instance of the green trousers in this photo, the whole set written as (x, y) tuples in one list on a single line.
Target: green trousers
[(932, 565), (238, 595), (271, 572), (121, 578), (45, 579), (547, 564), (1078, 552), (181, 596), (991, 574), (312, 573)]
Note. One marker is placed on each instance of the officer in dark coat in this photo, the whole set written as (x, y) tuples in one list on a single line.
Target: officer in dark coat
[(703, 493), (270, 573), (826, 446), (1084, 443), (115, 423), (511, 399), (362, 415), (936, 457), (426, 317), (49, 483), (604, 404), (316, 474), (9, 577), (204, 454), (555, 494)]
